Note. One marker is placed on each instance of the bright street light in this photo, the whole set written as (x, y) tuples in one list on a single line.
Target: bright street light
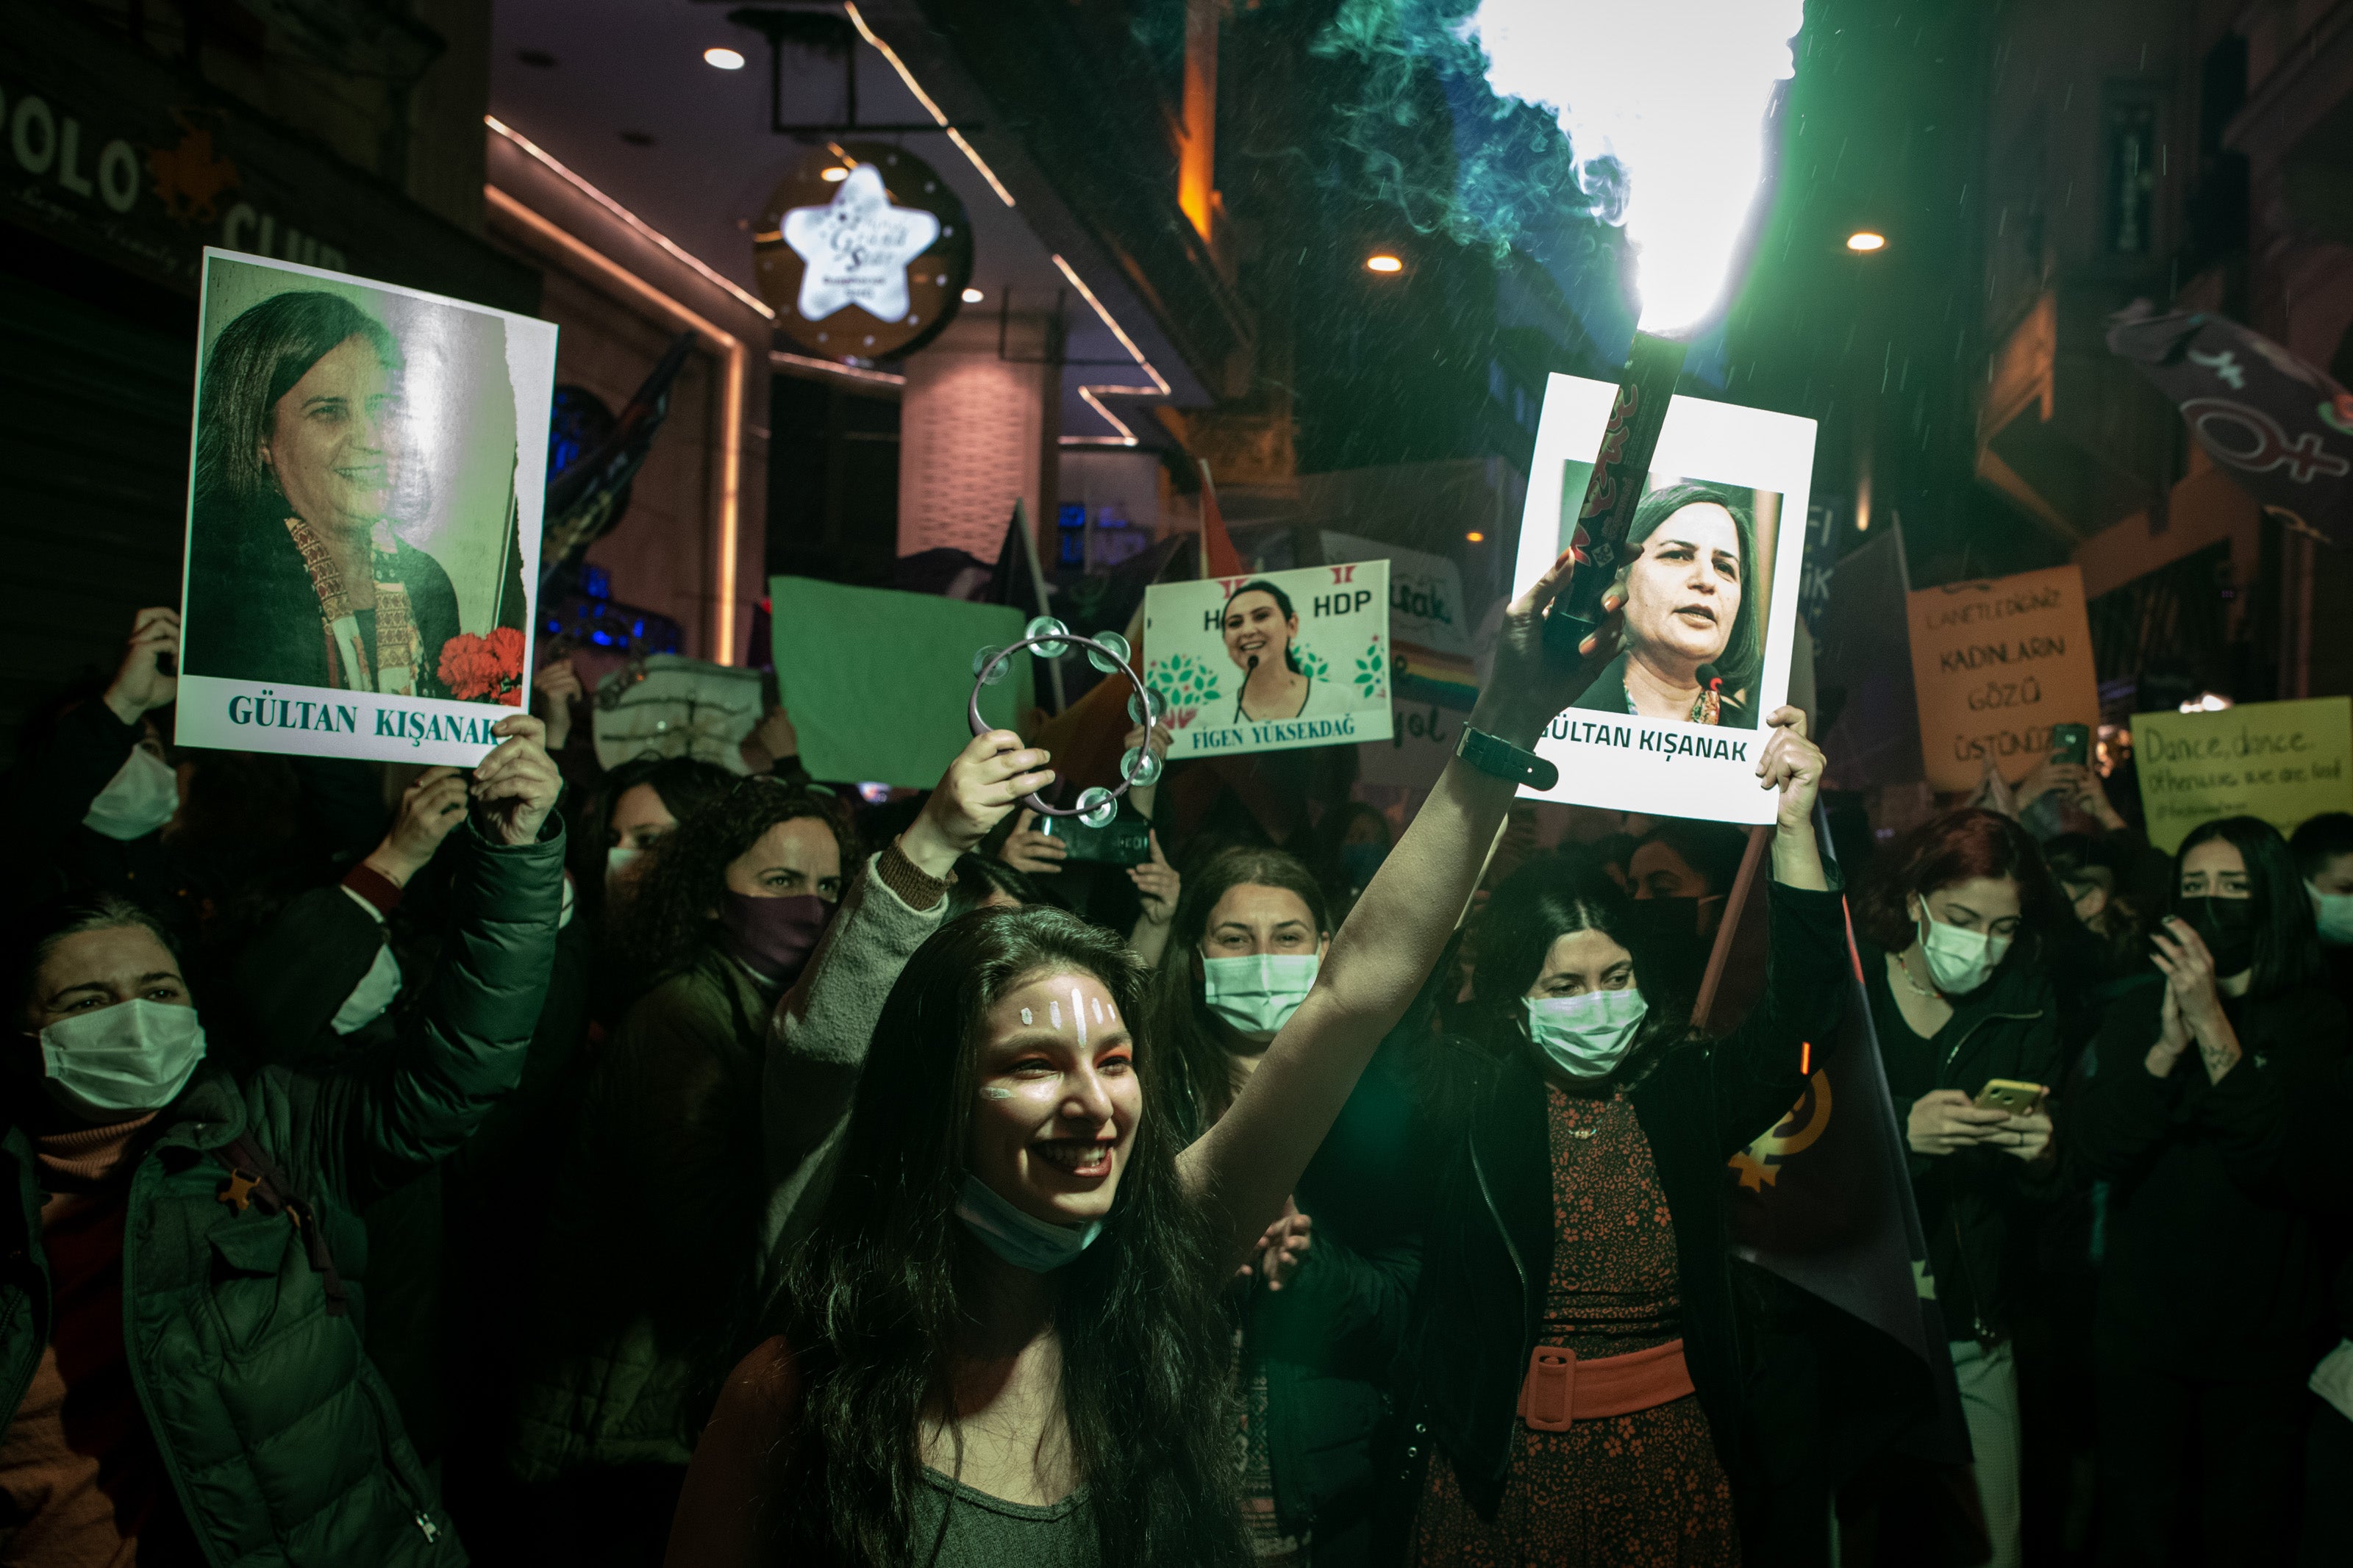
[(1865, 239), (1382, 261), (724, 58)]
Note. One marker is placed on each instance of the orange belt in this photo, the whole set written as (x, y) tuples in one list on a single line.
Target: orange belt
[(1560, 1388)]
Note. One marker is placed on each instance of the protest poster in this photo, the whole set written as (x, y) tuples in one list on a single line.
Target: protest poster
[(1428, 642), (1672, 725), (877, 680), (1271, 661), (666, 706), (365, 496), (2284, 762), (1995, 664)]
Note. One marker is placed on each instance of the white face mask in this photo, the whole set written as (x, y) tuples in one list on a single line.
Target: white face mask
[(372, 996), (1958, 961), (1258, 995), (2334, 914), (114, 1063), (1587, 1035), (139, 798)]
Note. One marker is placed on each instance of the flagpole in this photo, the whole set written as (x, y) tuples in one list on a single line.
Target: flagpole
[(1720, 954)]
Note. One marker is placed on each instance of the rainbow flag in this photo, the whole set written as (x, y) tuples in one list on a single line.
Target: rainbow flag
[(1425, 675)]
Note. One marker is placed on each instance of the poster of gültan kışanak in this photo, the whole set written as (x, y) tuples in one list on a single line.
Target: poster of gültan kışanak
[(1273, 660), (365, 491)]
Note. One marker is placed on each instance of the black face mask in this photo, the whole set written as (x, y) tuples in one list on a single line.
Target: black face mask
[(2228, 928)]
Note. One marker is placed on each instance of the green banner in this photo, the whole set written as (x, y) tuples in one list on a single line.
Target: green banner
[(876, 681)]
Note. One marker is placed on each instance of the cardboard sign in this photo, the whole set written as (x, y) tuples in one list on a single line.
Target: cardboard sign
[(1429, 642), (363, 516), (1273, 662), (666, 706), (877, 681), (1994, 665), (2284, 762), (1711, 597)]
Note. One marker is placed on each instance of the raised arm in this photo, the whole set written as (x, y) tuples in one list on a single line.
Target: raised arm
[(1247, 1162)]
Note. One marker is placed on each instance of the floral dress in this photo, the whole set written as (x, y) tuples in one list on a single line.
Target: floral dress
[(1640, 1490)]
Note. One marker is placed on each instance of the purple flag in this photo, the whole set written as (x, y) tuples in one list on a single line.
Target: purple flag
[(2283, 429)]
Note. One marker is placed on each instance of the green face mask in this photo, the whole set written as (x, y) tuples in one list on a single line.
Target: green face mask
[(114, 1063)]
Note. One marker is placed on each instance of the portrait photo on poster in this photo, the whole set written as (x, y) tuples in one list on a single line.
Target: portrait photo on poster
[(1671, 721), (365, 484), (1273, 660)]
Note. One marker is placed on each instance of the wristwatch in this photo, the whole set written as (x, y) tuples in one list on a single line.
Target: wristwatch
[(1492, 755)]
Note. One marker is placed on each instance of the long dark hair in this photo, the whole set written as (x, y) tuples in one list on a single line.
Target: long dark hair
[(1282, 601), (872, 1304), (685, 786), (256, 361), (1535, 907), (1743, 658), (665, 926), (1959, 846), (1187, 1033), (2287, 943)]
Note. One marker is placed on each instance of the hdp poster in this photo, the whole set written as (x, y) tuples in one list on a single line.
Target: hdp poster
[(1271, 661), (1674, 724), (2282, 762), (364, 493), (1995, 664)]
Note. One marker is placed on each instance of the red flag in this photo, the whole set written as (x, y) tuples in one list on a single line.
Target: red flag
[(1218, 556)]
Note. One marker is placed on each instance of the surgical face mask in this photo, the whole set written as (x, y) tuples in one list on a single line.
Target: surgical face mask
[(2228, 928), (773, 938), (2334, 914), (1587, 1035), (1258, 995), (372, 996), (114, 1063), (139, 798), (1958, 961), (1021, 1239)]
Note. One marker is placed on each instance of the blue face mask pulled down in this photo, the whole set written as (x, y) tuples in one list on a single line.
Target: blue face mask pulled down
[(1021, 1239)]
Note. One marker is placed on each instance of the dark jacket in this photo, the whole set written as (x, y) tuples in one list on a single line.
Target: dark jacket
[(2008, 1028), (253, 613), (44, 797), (281, 1441), (2219, 1192), (1487, 1258)]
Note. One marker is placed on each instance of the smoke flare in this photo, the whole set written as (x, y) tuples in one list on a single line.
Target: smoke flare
[(1663, 103)]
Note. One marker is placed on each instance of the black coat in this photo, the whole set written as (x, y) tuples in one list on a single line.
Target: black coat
[(2221, 1194), (1487, 1258), (253, 613), (2010, 1028)]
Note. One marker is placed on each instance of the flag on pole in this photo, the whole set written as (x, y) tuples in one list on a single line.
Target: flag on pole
[(1020, 580), (1218, 556)]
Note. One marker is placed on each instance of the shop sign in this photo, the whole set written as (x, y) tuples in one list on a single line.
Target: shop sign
[(863, 252)]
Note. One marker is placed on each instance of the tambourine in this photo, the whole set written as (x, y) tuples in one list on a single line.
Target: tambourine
[(1107, 652)]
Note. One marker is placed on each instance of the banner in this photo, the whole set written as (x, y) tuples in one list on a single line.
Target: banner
[(364, 498), (1994, 665), (2284, 762), (1273, 662), (1430, 642), (1674, 724), (1870, 720), (877, 681)]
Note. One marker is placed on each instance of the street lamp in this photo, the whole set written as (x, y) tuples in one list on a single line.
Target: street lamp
[(1866, 239), (1383, 261), (726, 59)]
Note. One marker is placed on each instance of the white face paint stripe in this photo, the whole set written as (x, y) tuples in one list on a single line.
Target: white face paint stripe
[(1025, 1017), (1054, 1012), (1078, 1015), (995, 1091)]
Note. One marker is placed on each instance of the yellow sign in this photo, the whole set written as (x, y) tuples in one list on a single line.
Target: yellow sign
[(2282, 762), (1994, 666)]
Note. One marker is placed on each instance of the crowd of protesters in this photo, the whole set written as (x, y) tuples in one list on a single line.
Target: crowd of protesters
[(702, 1164)]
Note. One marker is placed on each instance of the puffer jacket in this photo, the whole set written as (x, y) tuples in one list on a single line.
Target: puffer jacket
[(281, 1441)]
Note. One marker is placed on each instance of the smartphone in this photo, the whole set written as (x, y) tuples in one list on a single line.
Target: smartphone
[(1125, 841), (2070, 743), (2010, 1095)]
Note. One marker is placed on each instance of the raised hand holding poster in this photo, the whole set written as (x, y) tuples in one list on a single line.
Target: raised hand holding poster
[(1672, 724), (1273, 662), (363, 516)]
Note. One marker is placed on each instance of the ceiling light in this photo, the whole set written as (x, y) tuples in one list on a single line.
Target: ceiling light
[(2206, 702), (974, 295), (725, 60), (833, 175), (1474, 537), (1382, 261), (1866, 239)]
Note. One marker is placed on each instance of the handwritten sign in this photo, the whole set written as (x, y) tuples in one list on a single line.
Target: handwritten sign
[(2282, 762), (1994, 666)]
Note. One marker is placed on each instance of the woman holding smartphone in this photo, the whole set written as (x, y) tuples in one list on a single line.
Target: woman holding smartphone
[(2215, 1110), (1968, 1031)]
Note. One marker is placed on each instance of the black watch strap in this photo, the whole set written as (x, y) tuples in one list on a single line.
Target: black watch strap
[(1492, 754)]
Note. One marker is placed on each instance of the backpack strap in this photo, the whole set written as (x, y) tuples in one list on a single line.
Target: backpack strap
[(255, 1182)]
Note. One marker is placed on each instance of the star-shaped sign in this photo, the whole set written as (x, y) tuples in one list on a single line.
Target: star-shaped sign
[(854, 250)]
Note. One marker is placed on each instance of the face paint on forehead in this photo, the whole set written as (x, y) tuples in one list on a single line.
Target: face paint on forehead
[(1054, 1012), (1025, 1017), (1079, 1014)]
